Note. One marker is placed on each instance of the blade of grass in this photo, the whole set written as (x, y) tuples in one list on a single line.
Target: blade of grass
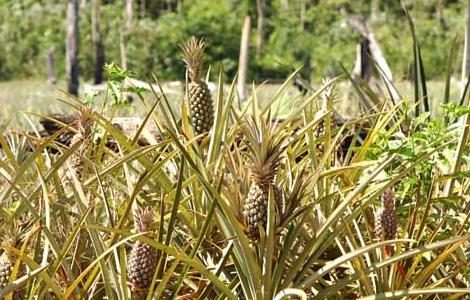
[(421, 93)]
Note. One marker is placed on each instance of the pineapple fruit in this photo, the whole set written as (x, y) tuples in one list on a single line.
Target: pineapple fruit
[(386, 219), (12, 239), (198, 94), (142, 261), (83, 123), (264, 153)]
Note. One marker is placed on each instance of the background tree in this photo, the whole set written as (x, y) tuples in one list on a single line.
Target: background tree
[(303, 7), (243, 60), (129, 13), (143, 9), (466, 61), (124, 35), (50, 66), (259, 26), (73, 39), (100, 58), (374, 10)]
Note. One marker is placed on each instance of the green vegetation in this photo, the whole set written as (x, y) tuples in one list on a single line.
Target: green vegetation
[(30, 27)]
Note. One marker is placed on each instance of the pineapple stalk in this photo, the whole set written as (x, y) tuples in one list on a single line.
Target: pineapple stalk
[(142, 261), (197, 94)]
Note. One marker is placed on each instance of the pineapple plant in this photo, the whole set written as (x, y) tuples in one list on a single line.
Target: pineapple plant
[(335, 119), (142, 261), (264, 152), (12, 239), (197, 94), (83, 123)]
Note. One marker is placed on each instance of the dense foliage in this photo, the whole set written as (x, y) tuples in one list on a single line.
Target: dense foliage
[(29, 27)]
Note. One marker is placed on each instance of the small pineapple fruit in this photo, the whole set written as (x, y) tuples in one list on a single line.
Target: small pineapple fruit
[(265, 153), (83, 123), (13, 239), (142, 260), (198, 94), (386, 219)]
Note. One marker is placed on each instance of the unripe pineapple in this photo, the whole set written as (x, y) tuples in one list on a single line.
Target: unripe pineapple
[(256, 207), (12, 239), (386, 219), (265, 153), (83, 123), (142, 260), (198, 94), (7, 263)]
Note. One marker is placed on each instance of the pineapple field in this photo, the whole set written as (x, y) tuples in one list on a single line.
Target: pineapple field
[(212, 200), (217, 197)]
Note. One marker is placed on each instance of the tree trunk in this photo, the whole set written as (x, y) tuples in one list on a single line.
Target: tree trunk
[(84, 3), (243, 60), (50, 66), (364, 66), (303, 8), (375, 52), (179, 6), (97, 41), (466, 57), (125, 34), (122, 48), (440, 13), (73, 39), (374, 10), (128, 16), (362, 27), (260, 4), (284, 6), (142, 8)]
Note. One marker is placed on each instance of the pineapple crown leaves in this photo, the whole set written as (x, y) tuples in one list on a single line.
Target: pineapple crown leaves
[(14, 234), (193, 56), (328, 94), (84, 121), (10, 238), (143, 219), (265, 143), (388, 197)]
